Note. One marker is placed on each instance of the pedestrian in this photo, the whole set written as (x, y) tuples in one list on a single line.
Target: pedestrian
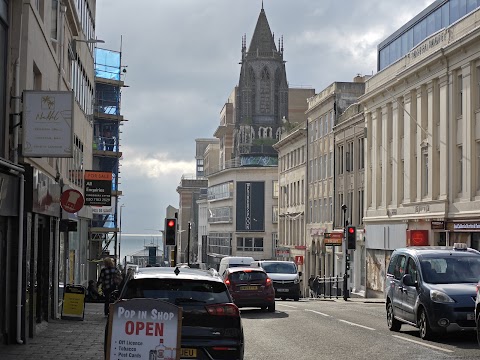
[(310, 285), (109, 278)]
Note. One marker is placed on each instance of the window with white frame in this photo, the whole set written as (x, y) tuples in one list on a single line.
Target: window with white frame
[(275, 214), (425, 172), (460, 170), (459, 95), (275, 189), (340, 159), (361, 155), (249, 244)]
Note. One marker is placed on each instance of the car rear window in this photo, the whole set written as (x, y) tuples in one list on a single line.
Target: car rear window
[(240, 276), (176, 290), (279, 268)]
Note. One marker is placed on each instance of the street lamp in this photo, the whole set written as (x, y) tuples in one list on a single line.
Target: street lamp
[(120, 233)]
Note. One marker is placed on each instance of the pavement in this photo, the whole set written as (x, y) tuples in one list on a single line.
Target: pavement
[(83, 340), (64, 339)]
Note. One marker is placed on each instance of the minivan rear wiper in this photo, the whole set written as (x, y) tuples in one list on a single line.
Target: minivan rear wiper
[(188, 300)]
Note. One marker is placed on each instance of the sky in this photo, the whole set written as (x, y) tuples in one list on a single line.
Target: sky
[(182, 62)]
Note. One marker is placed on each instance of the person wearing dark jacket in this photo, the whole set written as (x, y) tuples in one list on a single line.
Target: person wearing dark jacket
[(109, 278)]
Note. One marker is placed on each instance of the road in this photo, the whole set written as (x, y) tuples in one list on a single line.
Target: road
[(327, 329)]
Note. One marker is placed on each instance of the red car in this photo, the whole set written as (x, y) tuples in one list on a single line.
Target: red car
[(250, 287)]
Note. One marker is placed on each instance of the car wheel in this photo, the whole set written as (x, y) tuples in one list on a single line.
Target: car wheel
[(264, 308), (424, 326), (392, 323), (271, 307), (296, 298), (284, 298)]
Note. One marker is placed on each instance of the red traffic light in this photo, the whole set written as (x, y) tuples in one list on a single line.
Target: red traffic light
[(351, 230), (171, 223)]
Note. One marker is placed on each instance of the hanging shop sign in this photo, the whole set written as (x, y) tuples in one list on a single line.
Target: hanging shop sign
[(437, 225), (282, 252), (299, 260), (71, 200), (144, 329), (333, 238), (47, 124), (98, 188)]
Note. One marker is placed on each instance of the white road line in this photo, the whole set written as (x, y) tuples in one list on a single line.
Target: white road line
[(289, 306), (318, 312), (423, 344), (354, 324)]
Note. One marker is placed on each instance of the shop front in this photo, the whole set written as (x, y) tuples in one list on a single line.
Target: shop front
[(463, 231)]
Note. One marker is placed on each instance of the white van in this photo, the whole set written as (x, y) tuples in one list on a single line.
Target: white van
[(234, 261), (285, 277)]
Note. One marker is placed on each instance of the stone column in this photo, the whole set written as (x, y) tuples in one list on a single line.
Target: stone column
[(443, 116), (468, 135), (421, 135), (368, 162), (410, 133)]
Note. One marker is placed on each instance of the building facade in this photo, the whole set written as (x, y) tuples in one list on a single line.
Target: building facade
[(292, 170), (422, 182), (323, 112), (349, 134), (51, 57)]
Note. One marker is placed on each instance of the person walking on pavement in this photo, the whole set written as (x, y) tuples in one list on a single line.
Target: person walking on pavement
[(109, 278)]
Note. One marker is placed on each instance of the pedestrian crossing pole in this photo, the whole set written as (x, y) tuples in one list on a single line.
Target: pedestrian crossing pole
[(347, 264)]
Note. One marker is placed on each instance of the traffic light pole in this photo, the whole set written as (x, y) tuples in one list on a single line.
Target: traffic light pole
[(345, 275)]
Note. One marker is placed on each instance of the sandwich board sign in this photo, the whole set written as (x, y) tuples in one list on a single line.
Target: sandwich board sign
[(73, 302), (147, 329)]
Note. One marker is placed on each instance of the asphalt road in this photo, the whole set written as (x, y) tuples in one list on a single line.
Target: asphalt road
[(323, 329)]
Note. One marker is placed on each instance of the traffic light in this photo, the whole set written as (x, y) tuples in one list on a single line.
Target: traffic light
[(170, 232), (351, 237)]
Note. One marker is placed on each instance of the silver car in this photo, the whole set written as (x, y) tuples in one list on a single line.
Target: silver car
[(477, 312)]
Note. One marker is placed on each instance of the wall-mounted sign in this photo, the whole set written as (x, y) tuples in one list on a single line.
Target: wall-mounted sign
[(48, 124), (98, 188), (437, 225), (250, 206), (463, 226), (417, 237), (299, 260), (144, 329)]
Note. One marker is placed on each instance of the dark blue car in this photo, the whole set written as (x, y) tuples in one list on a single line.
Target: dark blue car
[(432, 288)]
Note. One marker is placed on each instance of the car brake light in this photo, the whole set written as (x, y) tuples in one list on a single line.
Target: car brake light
[(227, 282), (223, 348), (268, 282), (223, 310)]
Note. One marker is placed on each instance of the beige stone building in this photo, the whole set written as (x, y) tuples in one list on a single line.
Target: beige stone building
[(322, 217), (422, 183), (292, 159)]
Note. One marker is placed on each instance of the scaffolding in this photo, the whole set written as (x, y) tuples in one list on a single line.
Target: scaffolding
[(107, 120)]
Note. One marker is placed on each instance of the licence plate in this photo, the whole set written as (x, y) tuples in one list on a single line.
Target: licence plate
[(471, 316), (282, 290), (188, 353), (249, 288)]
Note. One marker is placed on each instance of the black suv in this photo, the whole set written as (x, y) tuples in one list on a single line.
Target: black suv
[(211, 324), (432, 288)]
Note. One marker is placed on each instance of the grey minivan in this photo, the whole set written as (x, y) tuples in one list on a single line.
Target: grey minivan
[(432, 288)]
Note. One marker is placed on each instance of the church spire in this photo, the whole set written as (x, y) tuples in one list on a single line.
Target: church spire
[(262, 39)]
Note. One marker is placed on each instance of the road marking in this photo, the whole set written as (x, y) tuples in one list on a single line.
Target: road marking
[(290, 306), (318, 312), (354, 324), (423, 344)]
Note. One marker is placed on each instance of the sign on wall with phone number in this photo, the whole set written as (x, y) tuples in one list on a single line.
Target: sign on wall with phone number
[(148, 329)]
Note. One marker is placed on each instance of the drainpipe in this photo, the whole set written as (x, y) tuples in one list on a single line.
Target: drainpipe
[(19, 169), (61, 38)]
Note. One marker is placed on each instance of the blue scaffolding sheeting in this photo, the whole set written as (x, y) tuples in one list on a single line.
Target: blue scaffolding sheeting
[(107, 64)]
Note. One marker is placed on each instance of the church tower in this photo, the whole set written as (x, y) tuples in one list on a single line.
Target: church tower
[(262, 97)]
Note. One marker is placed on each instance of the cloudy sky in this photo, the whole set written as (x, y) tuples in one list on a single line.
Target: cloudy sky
[(182, 63)]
